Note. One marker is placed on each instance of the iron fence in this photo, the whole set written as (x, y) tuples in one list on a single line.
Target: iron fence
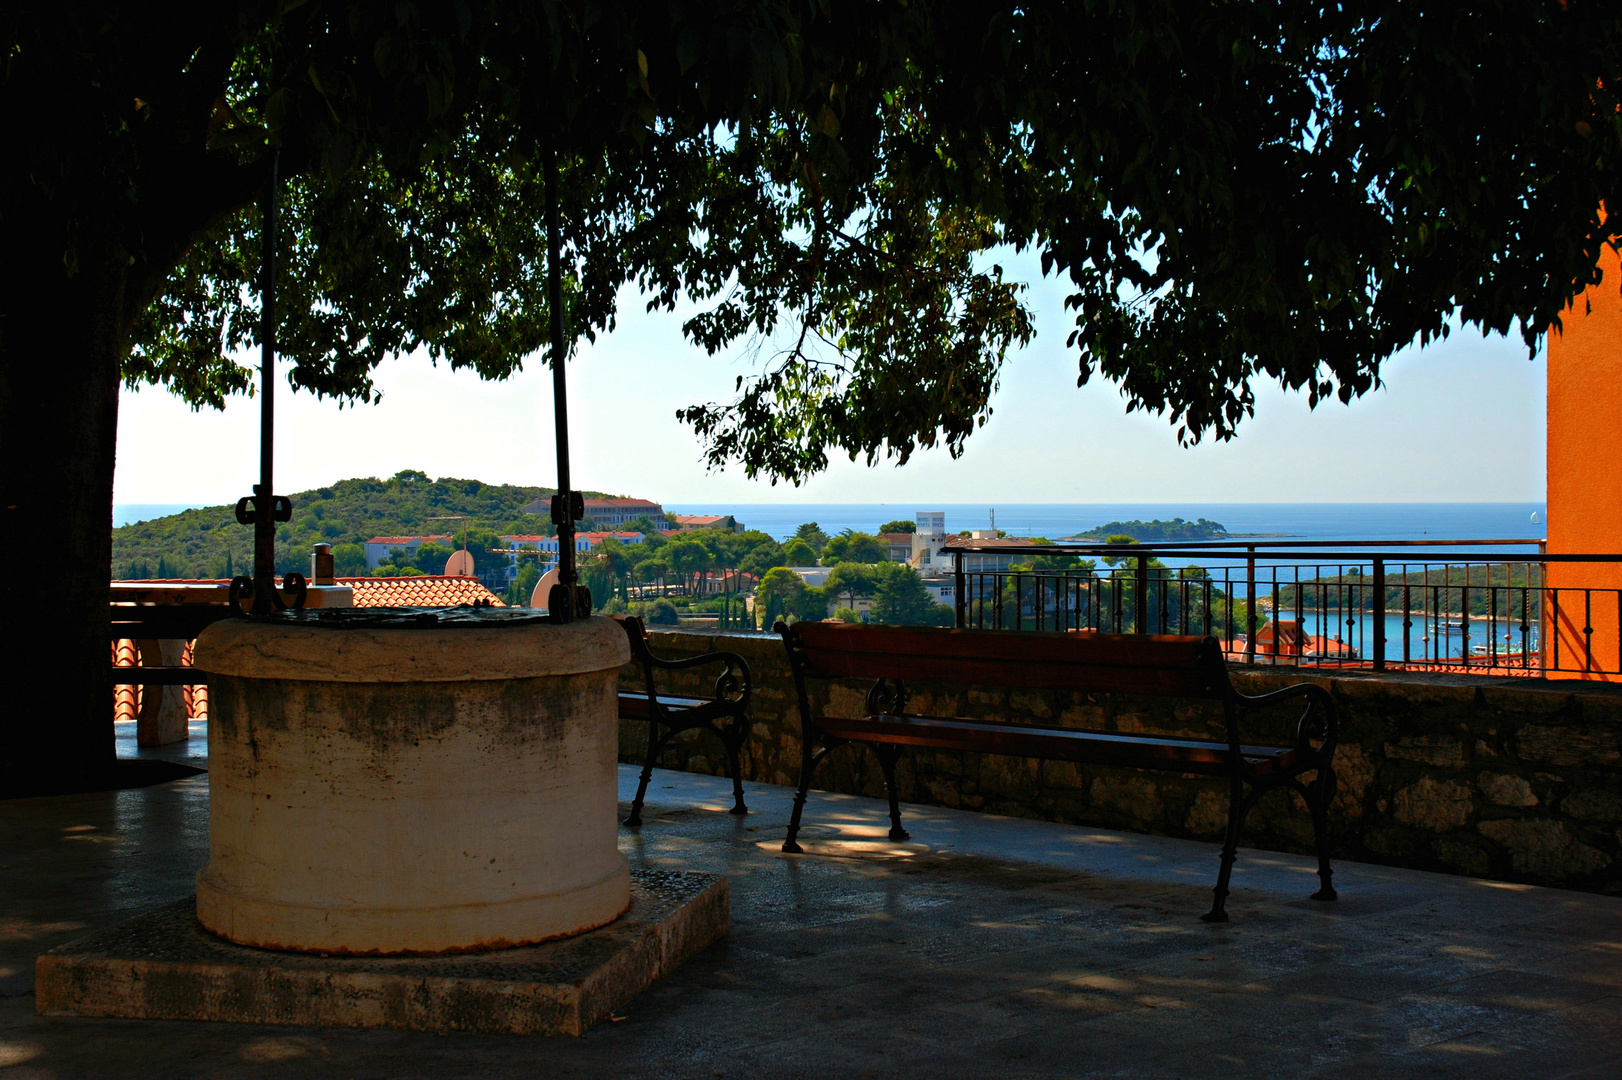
[(1473, 605)]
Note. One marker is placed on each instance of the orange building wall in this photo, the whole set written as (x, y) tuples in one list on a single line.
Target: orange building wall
[(1584, 466)]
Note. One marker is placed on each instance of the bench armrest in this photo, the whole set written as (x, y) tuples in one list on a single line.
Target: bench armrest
[(734, 683), (1318, 722)]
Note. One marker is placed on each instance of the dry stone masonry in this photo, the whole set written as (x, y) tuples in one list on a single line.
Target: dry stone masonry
[(1513, 779)]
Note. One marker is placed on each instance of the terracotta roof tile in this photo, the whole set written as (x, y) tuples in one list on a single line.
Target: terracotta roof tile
[(999, 542), (429, 591)]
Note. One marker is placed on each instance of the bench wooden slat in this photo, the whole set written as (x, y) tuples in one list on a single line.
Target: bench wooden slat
[(634, 705), (1206, 756), (1159, 665)]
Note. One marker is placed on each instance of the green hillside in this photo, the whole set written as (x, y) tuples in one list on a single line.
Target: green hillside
[(208, 543)]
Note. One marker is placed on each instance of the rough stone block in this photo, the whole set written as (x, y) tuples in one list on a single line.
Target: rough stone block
[(1506, 790), (1442, 752), (164, 966), (1543, 848), (1463, 857), (1593, 804), (1438, 806), (1550, 745)]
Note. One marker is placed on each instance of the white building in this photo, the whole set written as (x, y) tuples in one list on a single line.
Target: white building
[(928, 539), (609, 511), (583, 542), (378, 548)]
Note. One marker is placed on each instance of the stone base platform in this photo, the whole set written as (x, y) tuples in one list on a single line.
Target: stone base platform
[(164, 966)]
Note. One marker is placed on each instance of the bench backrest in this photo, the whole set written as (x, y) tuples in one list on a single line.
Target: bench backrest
[(1154, 665)]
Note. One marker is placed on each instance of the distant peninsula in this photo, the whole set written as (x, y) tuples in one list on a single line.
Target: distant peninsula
[(1157, 531)]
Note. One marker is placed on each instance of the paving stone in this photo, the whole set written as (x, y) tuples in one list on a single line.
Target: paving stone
[(1014, 948)]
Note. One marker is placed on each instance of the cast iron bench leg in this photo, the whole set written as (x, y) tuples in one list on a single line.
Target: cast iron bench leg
[(808, 765), (888, 756), (655, 744), (732, 737), (1323, 792)]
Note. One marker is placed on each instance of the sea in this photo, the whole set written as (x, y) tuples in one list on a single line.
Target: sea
[(1055, 521)]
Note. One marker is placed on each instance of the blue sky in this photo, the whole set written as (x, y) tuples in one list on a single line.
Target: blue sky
[(1461, 421)]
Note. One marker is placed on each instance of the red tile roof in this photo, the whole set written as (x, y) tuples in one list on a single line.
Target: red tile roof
[(428, 591), (620, 502), (1000, 542)]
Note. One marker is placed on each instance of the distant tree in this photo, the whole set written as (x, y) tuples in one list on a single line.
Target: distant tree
[(523, 586), (431, 557), (847, 615), (902, 600), (395, 570), (757, 553), (899, 526), (687, 559), (662, 613), (654, 570), (782, 592), (605, 568), (812, 534), (852, 579), (349, 560), (799, 553), (856, 547)]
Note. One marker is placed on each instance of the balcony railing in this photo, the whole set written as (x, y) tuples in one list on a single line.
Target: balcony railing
[(1489, 606)]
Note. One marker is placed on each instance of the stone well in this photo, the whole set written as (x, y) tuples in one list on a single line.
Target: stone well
[(401, 781)]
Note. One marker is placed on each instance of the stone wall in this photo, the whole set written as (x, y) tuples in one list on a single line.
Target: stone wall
[(1513, 779)]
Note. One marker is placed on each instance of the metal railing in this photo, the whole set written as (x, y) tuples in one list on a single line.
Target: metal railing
[(1489, 606)]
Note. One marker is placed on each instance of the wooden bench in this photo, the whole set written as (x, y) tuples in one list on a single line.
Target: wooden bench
[(1154, 666), (725, 712)]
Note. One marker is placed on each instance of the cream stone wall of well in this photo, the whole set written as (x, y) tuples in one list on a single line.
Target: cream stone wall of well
[(412, 790)]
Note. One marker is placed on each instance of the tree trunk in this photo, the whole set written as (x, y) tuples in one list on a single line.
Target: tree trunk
[(61, 341)]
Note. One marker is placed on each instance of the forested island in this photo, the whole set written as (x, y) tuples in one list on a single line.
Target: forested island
[(1177, 530)]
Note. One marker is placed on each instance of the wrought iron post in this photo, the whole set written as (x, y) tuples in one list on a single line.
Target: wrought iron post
[(960, 600), (1548, 604), (263, 509), (1250, 605), (1379, 614), (1140, 612), (564, 601)]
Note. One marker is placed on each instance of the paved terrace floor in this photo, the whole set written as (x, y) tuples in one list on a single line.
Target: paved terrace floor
[(985, 947)]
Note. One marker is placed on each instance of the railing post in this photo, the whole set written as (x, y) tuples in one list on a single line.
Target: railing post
[(1250, 605), (1546, 605), (1140, 612), (1379, 614), (960, 601)]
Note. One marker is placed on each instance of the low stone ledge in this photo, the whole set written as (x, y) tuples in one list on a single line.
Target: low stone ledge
[(164, 966), (1510, 778)]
